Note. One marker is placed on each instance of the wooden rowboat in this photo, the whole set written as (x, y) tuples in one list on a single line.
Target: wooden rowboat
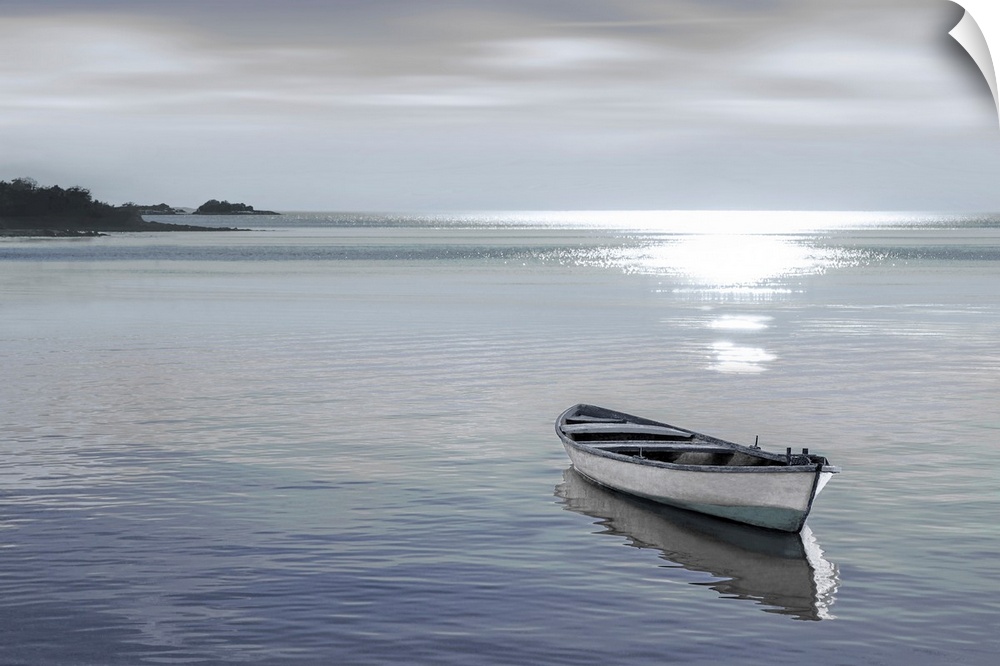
[(686, 469)]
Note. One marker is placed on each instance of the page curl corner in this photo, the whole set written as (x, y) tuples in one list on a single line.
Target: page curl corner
[(979, 34)]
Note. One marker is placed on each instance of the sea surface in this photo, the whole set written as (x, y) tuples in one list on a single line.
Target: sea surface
[(328, 439)]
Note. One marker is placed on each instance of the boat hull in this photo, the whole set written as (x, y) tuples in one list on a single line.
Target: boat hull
[(778, 500)]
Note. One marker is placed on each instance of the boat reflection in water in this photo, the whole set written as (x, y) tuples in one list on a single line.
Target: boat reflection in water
[(784, 572)]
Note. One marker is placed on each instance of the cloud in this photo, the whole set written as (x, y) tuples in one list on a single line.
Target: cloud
[(480, 87), (692, 63)]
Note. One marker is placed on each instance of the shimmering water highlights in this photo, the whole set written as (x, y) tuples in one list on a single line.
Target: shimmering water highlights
[(329, 439)]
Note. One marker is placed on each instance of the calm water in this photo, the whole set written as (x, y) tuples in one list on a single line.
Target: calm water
[(329, 440)]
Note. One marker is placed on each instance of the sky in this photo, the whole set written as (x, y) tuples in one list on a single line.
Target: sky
[(437, 105)]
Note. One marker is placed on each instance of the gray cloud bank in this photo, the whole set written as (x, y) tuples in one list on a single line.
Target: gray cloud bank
[(574, 104)]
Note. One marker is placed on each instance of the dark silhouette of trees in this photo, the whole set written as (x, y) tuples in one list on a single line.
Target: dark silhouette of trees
[(23, 197), (29, 209)]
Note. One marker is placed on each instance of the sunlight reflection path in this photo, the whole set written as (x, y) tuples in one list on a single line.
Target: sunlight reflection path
[(725, 258)]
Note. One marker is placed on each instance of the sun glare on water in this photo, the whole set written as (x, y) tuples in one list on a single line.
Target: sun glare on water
[(730, 260), (744, 254)]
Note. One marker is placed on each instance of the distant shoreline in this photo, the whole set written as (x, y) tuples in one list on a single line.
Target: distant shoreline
[(75, 227), (235, 213), (28, 210)]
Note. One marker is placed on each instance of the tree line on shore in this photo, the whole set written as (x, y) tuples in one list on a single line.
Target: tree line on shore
[(24, 197), (24, 204)]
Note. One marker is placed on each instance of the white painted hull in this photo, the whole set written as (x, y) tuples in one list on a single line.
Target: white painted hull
[(778, 499)]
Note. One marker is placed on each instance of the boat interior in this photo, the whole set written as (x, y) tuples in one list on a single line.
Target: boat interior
[(693, 454), (663, 444), (642, 439)]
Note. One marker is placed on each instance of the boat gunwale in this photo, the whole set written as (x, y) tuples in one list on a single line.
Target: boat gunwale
[(591, 448), (727, 469)]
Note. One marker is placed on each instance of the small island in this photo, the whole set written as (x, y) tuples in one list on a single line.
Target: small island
[(216, 207), (28, 209)]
